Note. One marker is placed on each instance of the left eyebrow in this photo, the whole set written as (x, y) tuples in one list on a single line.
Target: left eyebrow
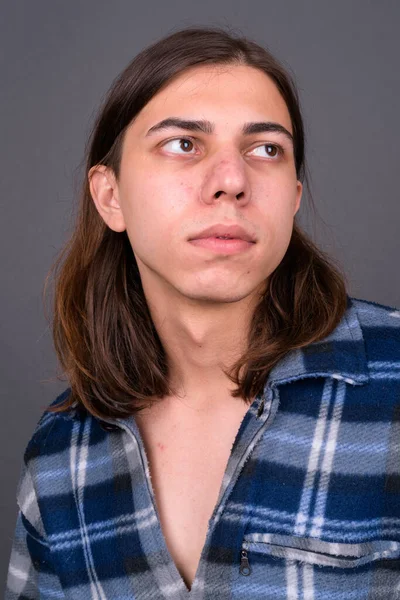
[(208, 127)]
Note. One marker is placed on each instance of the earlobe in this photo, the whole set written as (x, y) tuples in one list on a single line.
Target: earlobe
[(105, 195)]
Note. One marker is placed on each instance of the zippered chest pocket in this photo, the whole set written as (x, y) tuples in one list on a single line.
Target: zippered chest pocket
[(298, 567)]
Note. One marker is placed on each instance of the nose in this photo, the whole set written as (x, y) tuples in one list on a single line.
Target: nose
[(226, 178)]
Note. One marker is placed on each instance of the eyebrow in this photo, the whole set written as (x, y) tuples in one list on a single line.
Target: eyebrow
[(208, 128)]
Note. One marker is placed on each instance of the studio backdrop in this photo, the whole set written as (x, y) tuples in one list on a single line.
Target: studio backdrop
[(58, 60)]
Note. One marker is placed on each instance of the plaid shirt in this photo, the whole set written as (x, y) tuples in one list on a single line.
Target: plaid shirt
[(309, 506)]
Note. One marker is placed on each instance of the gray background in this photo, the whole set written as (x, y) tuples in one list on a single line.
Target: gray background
[(57, 61)]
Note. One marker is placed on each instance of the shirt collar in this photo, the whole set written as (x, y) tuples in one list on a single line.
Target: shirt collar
[(340, 355)]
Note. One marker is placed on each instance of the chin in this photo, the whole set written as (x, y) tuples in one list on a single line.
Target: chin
[(218, 296)]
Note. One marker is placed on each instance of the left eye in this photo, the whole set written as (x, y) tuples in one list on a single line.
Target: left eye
[(184, 144), (272, 150)]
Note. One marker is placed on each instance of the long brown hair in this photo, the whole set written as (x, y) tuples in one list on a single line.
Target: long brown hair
[(104, 337)]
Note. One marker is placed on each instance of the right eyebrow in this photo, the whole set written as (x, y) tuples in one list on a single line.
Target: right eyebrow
[(188, 125)]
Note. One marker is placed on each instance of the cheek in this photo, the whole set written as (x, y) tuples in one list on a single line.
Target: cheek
[(275, 215), (154, 210), (276, 203)]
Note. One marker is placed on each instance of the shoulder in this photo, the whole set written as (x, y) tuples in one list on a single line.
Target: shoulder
[(53, 433), (380, 327), (373, 314), (62, 444)]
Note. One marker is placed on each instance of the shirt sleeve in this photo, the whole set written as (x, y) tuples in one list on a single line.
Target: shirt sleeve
[(22, 579), (30, 573)]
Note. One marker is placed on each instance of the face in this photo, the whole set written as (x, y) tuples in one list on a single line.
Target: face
[(182, 178)]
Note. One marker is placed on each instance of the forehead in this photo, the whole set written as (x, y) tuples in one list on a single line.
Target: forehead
[(228, 95)]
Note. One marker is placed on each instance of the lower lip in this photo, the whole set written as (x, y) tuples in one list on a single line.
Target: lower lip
[(231, 246)]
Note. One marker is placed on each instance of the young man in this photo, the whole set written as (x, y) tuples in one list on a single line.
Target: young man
[(231, 429)]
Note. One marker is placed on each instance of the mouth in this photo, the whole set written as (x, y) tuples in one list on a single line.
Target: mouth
[(225, 231), (222, 244)]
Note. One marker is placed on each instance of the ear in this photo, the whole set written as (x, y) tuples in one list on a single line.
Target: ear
[(299, 191), (105, 195)]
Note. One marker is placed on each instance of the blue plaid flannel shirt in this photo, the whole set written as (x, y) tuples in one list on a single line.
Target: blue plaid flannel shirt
[(309, 506)]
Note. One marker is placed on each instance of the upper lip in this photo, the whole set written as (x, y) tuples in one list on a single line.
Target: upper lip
[(232, 231)]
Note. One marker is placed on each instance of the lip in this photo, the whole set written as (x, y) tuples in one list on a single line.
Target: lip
[(232, 231), (231, 246)]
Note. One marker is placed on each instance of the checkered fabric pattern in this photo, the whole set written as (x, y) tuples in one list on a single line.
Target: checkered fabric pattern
[(309, 506)]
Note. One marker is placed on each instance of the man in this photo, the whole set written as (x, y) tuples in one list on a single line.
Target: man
[(194, 292)]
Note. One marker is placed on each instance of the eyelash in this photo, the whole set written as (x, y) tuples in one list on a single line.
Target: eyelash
[(281, 151)]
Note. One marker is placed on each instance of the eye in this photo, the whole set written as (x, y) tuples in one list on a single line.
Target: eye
[(273, 151), (184, 144)]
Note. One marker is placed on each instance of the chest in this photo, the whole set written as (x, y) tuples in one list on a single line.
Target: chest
[(314, 508), (187, 461)]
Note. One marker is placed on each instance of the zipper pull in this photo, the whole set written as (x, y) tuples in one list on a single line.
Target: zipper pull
[(244, 563)]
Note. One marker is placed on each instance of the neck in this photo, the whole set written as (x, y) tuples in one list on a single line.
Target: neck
[(201, 341)]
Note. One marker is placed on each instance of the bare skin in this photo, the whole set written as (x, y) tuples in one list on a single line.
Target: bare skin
[(188, 452), (173, 184)]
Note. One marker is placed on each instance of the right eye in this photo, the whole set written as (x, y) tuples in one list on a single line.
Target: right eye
[(182, 143)]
